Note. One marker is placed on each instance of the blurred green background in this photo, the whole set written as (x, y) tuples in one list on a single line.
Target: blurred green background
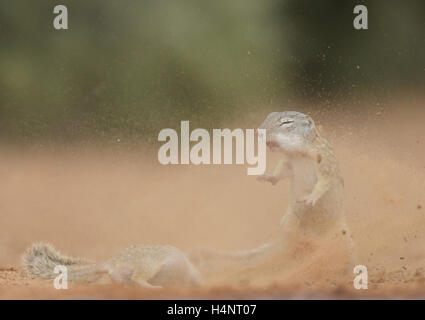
[(126, 69)]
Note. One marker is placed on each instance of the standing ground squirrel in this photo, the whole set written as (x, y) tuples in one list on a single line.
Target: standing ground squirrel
[(317, 188), (315, 214), (147, 266)]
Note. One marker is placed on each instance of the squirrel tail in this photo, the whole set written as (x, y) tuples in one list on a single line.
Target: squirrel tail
[(40, 260)]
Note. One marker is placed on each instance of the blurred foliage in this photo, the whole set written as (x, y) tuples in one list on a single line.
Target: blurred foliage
[(126, 69), (331, 60)]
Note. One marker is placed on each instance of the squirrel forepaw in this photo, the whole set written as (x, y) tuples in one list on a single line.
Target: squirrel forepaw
[(309, 202), (267, 178)]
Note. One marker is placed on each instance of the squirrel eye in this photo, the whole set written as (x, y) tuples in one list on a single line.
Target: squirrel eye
[(286, 121)]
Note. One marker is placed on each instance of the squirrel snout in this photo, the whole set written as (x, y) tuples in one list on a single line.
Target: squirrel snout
[(272, 144)]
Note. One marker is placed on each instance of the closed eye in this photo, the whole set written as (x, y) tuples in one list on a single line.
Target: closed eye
[(286, 122)]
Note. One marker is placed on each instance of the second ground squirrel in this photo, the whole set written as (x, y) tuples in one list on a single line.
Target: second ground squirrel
[(143, 265)]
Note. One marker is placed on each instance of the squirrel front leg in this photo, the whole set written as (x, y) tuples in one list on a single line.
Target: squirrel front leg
[(322, 185), (320, 188), (281, 172)]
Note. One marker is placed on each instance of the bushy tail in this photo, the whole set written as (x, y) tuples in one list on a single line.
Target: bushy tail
[(40, 260)]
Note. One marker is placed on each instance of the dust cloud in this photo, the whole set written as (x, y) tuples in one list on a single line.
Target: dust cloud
[(93, 202)]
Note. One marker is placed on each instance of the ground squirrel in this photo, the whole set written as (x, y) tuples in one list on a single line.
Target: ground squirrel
[(315, 212), (147, 266)]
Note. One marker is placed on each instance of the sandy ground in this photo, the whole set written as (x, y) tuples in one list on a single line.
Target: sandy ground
[(93, 203)]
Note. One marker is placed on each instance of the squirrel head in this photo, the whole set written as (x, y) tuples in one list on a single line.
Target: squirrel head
[(289, 131)]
